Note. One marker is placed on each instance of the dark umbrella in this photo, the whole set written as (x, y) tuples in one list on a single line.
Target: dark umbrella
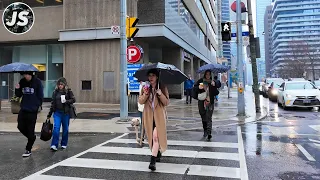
[(214, 68), (168, 73), (18, 68)]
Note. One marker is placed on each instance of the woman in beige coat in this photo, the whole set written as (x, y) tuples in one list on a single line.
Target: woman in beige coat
[(154, 116)]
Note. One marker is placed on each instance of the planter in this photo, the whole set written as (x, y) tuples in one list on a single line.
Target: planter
[(15, 107)]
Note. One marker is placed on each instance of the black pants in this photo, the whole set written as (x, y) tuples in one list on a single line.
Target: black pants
[(26, 125), (189, 95), (206, 116)]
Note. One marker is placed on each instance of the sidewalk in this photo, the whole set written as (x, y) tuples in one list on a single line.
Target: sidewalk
[(102, 118)]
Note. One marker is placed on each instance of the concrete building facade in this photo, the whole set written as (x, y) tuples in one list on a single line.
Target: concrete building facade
[(72, 38), (268, 39)]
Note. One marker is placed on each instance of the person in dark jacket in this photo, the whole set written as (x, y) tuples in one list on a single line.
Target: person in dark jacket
[(218, 85), (188, 85), (62, 99), (206, 107), (31, 90)]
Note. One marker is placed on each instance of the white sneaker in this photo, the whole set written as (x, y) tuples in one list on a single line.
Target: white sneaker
[(64, 147), (54, 148), (26, 154)]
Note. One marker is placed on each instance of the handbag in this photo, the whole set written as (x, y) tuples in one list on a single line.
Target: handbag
[(46, 130), (202, 96), (73, 111)]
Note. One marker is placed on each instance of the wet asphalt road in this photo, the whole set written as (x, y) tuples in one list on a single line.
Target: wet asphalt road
[(286, 145)]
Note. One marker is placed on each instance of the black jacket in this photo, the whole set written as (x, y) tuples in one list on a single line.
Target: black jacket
[(31, 93), (213, 90), (70, 99)]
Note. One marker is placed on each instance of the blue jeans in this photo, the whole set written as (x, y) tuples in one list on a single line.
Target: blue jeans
[(60, 119)]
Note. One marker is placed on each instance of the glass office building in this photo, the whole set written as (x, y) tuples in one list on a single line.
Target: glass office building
[(225, 17), (298, 21), (261, 6)]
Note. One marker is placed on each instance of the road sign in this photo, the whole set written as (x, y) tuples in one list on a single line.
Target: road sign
[(115, 29), (131, 30), (133, 54), (133, 82), (243, 34)]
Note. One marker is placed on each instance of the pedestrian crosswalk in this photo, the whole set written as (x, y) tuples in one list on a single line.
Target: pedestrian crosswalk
[(121, 158)]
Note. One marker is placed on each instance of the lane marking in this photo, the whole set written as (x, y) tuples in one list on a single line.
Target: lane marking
[(243, 164), (48, 177), (315, 141), (33, 176), (198, 170), (169, 153), (305, 153), (185, 143)]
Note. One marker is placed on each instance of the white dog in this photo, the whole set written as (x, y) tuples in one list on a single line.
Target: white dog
[(135, 122)]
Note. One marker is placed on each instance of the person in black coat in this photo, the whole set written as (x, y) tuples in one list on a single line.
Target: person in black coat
[(208, 86), (62, 99), (31, 90)]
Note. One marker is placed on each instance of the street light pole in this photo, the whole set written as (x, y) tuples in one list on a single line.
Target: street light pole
[(241, 101), (253, 59), (123, 61)]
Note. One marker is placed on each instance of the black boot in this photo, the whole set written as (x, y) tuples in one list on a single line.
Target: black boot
[(152, 165), (209, 136), (158, 156)]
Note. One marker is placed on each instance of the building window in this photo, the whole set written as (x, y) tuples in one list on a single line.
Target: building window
[(108, 80), (32, 3), (86, 85)]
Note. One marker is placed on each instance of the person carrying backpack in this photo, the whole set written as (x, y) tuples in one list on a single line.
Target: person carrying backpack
[(62, 99)]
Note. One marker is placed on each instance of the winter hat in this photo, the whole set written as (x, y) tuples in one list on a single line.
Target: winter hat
[(63, 81)]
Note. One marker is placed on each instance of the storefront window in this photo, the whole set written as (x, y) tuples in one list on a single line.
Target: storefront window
[(47, 58)]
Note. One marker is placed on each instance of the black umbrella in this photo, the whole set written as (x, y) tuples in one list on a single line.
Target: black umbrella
[(18, 68), (168, 73), (214, 68)]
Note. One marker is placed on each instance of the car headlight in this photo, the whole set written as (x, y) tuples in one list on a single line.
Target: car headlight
[(274, 92), (289, 96)]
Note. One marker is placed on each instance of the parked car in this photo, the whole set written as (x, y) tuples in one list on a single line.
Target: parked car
[(267, 83), (297, 79), (317, 83), (298, 94), (273, 90)]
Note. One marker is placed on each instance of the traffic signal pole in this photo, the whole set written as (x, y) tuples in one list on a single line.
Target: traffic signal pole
[(241, 100), (123, 61)]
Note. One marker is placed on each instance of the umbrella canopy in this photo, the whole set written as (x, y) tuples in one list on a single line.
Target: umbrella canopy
[(18, 68), (214, 68), (168, 73)]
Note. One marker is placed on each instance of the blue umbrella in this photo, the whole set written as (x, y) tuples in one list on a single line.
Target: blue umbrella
[(168, 73), (18, 68), (214, 68)]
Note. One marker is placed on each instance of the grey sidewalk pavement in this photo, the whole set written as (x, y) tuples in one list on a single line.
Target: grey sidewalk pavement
[(103, 118)]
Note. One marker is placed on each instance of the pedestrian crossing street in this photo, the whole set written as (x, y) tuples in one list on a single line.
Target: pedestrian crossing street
[(122, 158)]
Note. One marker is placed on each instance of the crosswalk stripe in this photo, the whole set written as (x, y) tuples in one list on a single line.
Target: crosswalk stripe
[(48, 177), (171, 168), (186, 143), (170, 153), (315, 141)]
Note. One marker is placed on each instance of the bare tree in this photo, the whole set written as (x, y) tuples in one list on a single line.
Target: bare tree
[(299, 59)]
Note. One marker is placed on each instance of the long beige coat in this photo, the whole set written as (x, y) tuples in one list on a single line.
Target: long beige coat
[(158, 115)]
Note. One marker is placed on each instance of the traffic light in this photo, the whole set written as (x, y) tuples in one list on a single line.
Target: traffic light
[(131, 30), (226, 31)]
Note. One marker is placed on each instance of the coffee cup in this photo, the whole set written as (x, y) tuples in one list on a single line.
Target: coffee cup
[(63, 98)]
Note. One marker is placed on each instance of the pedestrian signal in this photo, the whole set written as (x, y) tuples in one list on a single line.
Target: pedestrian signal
[(226, 31)]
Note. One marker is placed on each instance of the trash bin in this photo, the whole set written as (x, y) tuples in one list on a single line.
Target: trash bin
[(133, 102)]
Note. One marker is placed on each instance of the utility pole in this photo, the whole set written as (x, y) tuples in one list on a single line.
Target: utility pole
[(241, 101), (253, 59), (123, 61)]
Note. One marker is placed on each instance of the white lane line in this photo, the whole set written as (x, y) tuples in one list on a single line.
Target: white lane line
[(186, 143), (214, 171), (73, 157), (315, 141), (48, 177), (169, 153), (242, 156), (305, 153), (198, 170)]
